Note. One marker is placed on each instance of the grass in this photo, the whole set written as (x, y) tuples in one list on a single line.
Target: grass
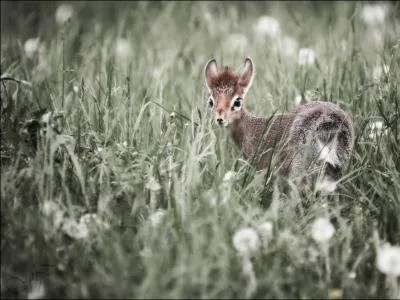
[(135, 135)]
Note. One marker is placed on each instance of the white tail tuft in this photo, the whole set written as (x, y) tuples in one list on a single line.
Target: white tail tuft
[(328, 152)]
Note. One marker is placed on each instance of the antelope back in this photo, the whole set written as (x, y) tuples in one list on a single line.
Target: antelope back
[(321, 133)]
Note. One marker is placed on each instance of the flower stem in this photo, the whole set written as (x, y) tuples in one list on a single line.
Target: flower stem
[(249, 273)]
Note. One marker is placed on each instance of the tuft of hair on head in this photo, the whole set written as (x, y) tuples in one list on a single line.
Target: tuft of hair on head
[(227, 77)]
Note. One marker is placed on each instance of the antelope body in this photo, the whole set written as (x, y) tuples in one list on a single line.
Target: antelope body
[(312, 144)]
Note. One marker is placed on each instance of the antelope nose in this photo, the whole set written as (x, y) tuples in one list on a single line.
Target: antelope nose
[(219, 121)]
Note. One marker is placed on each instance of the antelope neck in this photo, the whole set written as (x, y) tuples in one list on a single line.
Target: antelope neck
[(240, 127)]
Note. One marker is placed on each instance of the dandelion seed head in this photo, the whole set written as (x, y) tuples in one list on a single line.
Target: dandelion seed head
[(211, 197), (352, 275), (335, 293), (246, 241), (54, 212), (265, 229), (229, 176), (58, 218), (49, 207), (388, 260), (343, 45), (288, 46), (306, 56), (31, 47), (267, 26), (75, 230), (37, 291), (157, 72), (374, 14), (236, 42), (152, 184), (123, 49), (92, 219), (75, 89), (379, 71), (376, 129), (297, 100), (64, 13), (207, 16), (322, 230), (157, 217)]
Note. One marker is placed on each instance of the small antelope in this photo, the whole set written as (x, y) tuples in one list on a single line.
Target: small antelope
[(314, 141)]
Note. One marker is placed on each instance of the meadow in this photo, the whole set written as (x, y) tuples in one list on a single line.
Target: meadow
[(117, 183)]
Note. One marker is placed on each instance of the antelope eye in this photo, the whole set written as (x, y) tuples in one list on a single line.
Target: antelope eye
[(236, 104), (210, 102)]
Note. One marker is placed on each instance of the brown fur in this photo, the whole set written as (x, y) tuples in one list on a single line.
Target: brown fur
[(296, 136)]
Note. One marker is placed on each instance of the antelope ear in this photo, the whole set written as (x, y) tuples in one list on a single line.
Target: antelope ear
[(246, 79), (210, 71)]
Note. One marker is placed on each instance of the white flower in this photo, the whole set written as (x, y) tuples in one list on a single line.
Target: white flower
[(92, 219), (229, 176), (376, 129), (377, 37), (380, 71), (210, 196), (308, 96), (246, 241), (46, 117), (306, 56), (152, 184), (343, 45), (265, 229), (49, 207), (125, 143), (123, 49), (53, 210), (64, 13), (146, 252), (288, 46), (352, 275), (31, 47), (157, 217), (374, 14), (75, 89), (156, 72), (236, 42), (208, 16), (322, 230), (388, 260), (74, 229), (37, 291), (267, 26), (297, 99)]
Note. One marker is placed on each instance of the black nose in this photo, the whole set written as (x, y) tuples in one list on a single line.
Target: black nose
[(219, 121)]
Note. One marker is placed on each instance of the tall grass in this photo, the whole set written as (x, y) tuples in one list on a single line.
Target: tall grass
[(131, 135)]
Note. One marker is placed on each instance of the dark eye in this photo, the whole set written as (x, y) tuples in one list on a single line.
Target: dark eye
[(237, 103), (210, 102)]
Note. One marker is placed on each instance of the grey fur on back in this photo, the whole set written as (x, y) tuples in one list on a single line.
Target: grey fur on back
[(313, 140), (321, 124)]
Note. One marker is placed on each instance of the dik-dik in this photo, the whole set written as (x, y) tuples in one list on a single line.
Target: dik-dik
[(311, 145)]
